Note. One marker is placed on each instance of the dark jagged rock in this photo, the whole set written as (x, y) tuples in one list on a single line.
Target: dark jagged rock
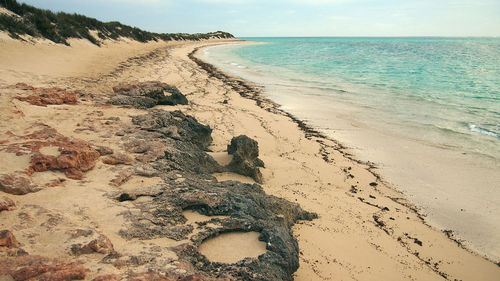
[(147, 95), (188, 127), (186, 170), (245, 160)]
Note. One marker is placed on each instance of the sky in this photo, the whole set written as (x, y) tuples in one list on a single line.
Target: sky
[(256, 18)]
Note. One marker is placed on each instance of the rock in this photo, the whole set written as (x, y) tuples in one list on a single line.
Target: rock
[(137, 146), (51, 272), (103, 150), (75, 158), (150, 276), (147, 95), (32, 267), (245, 160), (6, 204), (101, 245), (121, 178), (16, 185), (146, 170), (124, 87), (8, 240), (108, 277), (199, 277), (49, 96), (118, 158), (188, 127), (173, 132), (150, 150), (245, 207)]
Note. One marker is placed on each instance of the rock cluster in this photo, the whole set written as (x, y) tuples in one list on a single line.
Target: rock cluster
[(47, 96), (74, 158), (147, 95), (32, 267), (246, 206)]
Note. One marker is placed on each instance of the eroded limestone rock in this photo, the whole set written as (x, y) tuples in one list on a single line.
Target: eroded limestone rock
[(245, 160), (147, 95), (186, 170)]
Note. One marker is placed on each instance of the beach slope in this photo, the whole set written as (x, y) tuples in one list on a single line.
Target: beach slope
[(134, 207)]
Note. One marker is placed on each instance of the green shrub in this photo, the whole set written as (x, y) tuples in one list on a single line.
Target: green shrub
[(58, 27)]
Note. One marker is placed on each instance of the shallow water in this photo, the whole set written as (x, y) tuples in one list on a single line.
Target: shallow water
[(426, 110), (233, 246)]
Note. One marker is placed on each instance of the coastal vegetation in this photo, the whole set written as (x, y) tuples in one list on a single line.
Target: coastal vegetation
[(24, 19)]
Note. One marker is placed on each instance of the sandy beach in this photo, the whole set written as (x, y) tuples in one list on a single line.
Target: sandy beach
[(364, 230)]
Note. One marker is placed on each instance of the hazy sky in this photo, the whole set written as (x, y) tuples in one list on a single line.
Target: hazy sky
[(296, 17)]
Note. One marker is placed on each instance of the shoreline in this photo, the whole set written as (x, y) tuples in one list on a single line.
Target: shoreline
[(364, 231), (375, 169)]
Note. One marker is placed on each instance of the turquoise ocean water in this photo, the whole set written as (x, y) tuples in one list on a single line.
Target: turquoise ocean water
[(449, 87), (438, 93)]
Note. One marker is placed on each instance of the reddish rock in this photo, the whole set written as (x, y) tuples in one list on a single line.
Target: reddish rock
[(16, 185), (123, 87), (118, 158), (198, 277), (50, 272), (46, 96), (22, 86), (121, 178), (6, 204), (149, 276), (76, 157), (100, 245), (108, 277), (8, 240)]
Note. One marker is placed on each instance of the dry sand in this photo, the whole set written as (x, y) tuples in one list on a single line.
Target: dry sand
[(364, 232)]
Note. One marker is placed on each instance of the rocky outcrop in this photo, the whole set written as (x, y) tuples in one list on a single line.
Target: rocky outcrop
[(147, 95), (47, 96), (245, 160), (186, 170), (187, 128)]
